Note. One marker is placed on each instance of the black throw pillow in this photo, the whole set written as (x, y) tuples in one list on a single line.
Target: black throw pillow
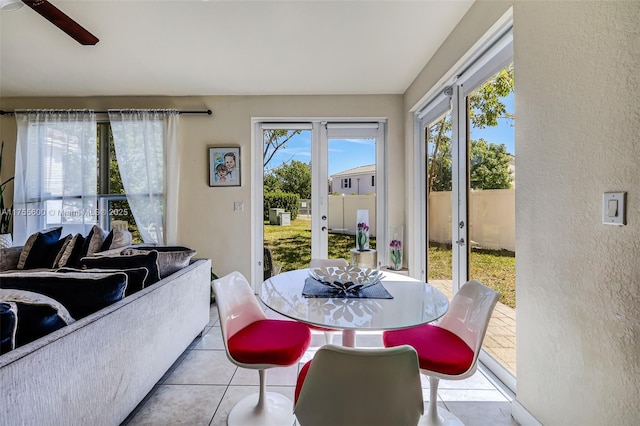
[(135, 276), (170, 258), (81, 293), (72, 252), (148, 260), (54, 252), (37, 315), (35, 252), (8, 326)]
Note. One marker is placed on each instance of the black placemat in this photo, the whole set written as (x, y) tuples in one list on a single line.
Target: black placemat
[(314, 288)]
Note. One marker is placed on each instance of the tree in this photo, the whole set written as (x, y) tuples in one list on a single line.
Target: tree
[(489, 166), (293, 177), (273, 141), (272, 183), (485, 108)]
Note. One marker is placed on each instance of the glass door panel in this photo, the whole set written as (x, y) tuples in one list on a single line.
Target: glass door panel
[(439, 204), (491, 205), (352, 188), (287, 162)]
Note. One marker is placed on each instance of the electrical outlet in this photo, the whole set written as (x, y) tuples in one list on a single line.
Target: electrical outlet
[(238, 206)]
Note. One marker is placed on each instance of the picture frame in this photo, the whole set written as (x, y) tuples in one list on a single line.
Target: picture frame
[(224, 166)]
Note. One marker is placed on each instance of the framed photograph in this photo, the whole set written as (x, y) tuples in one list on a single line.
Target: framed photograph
[(224, 166)]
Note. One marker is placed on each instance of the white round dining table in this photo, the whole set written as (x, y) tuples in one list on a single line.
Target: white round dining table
[(414, 303)]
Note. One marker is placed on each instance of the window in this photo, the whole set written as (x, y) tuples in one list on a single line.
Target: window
[(373, 180), (114, 210), (60, 181), (55, 183), (346, 183)]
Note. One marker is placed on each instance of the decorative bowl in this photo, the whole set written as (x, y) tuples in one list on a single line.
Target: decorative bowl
[(346, 278)]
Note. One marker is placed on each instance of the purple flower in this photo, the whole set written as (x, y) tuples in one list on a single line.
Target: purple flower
[(363, 227), (395, 244)]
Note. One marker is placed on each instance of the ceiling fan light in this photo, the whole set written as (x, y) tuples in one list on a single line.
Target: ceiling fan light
[(9, 5)]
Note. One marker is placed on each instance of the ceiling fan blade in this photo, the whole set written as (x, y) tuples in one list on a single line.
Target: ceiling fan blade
[(62, 21)]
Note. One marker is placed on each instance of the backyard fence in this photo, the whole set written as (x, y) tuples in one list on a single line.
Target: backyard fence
[(491, 217)]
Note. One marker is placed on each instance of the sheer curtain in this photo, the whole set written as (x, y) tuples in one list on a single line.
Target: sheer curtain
[(56, 172), (147, 153)]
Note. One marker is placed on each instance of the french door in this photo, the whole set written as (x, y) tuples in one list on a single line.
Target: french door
[(338, 154), (468, 173)]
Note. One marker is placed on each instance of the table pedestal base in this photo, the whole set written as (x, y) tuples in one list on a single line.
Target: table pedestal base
[(349, 338)]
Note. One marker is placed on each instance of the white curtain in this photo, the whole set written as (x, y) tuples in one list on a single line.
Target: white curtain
[(147, 153), (56, 172)]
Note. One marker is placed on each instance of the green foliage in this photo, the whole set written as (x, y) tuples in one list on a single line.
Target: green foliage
[(281, 200), (272, 183), (116, 187), (485, 106), (294, 177), (489, 162), (5, 214), (489, 166), (439, 162)]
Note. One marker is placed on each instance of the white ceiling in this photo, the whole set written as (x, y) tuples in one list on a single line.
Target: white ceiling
[(199, 47)]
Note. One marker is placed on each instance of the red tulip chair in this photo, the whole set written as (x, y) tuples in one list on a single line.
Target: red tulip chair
[(251, 340), (449, 349)]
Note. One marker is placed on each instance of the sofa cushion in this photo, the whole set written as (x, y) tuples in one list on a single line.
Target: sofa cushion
[(70, 254), (8, 326), (116, 239), (170, 258), (147, 260), (93, 242), (37, 315), (81, 293), (9, 258), (35, 252), (135, 276), (57, 250)]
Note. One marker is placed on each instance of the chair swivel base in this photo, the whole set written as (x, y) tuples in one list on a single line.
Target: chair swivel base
[(445, 418), (277, 410)]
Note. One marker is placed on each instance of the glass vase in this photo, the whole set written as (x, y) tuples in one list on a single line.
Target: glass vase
[(362, 230), (396, 248)]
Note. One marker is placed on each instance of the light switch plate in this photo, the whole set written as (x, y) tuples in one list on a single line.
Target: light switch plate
[(238, 206), (610, 214)]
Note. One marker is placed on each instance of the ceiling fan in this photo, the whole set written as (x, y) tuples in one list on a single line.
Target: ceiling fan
[(56, 17)]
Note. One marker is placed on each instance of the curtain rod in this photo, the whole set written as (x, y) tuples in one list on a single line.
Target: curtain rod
[(208, 111)]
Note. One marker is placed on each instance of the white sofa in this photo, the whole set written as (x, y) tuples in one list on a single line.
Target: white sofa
[(96, 370)]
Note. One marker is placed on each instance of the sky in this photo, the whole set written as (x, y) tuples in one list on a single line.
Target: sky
[(346, 154)]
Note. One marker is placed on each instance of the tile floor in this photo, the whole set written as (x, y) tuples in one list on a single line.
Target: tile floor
[(202, 387)]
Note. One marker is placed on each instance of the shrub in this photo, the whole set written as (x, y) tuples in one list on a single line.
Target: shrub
[(281, 200)]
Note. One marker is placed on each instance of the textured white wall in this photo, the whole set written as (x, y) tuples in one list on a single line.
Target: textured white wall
[(577, 135)]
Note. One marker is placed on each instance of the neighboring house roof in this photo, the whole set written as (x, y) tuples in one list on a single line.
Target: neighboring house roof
[(360, 170)]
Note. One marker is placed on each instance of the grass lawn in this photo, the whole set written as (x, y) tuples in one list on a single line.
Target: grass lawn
[(494, 268), (291, 248), (291, 245)]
